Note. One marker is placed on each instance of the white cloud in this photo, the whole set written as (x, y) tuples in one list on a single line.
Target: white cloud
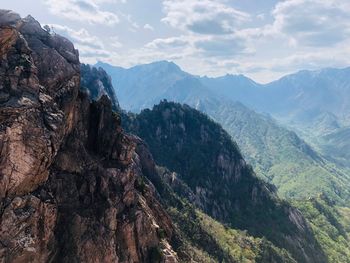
[(169, 43), (312, 60), (91, 48), (226, 46), (201, 46), (211, 37), (110, 1), (277, 66), (305, 23), (82, 10), (313, 22), (209, 28), (303, 34), (203, 16), (115, 43), (133, 25), (261, 16), (148, 27), (81, 36)]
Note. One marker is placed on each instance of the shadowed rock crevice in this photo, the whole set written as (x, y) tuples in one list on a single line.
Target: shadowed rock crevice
[(68, 171)]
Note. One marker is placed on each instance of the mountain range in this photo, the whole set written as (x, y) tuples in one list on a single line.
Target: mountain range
[(314, 103), (82, 180), (301, 97), (297, 168), (300, 170)]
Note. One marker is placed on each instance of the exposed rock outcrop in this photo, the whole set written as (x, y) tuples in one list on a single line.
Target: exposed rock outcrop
[(97, 83), (67, 171)]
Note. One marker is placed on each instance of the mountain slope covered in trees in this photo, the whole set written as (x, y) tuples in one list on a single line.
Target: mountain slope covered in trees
[(277, 154), (223, 185)]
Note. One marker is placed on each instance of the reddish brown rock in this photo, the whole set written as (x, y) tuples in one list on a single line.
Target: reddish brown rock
[(68, 173)]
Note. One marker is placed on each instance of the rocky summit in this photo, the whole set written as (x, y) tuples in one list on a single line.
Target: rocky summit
[(96, 82), (67, 170)]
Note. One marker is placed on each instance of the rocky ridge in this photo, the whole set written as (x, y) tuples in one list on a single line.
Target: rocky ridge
[(96, 82), (67, 170)]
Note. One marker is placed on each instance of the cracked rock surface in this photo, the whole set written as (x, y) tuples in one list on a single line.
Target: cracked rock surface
[(67, 169)]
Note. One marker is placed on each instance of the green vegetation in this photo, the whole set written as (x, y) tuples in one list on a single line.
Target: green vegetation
[(276, 154), (336, 146), (280, 157), (240, 246), (203, 239), (207, 240), (331, 225), (210, 164)]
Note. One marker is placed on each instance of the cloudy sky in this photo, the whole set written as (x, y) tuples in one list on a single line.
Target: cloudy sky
[(263, 39)]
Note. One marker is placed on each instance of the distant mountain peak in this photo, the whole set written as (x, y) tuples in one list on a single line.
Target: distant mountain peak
[(314, 73), (160, 66), (163, 63)]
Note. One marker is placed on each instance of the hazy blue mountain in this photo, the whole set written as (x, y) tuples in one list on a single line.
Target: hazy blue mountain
[(314, 103), (318, 104), (277, 154), (336, 145), (138, 87), (237, 88), (301, 97), (305, 98), (307, 94)]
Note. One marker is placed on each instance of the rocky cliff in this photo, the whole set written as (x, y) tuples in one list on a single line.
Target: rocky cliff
[(96, 82), (67, 170)]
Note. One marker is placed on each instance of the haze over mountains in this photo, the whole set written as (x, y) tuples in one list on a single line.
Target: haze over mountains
[(301, 172), (305, 98), (83, 180), (76, 188), (314, 103), (301, 96), (297, 97), (277, 154)]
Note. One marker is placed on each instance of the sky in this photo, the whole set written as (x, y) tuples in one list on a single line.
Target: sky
[(262, 39)]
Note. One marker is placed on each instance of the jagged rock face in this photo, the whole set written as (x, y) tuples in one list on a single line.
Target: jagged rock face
[(68, 173), (37, 96), (97, 83)]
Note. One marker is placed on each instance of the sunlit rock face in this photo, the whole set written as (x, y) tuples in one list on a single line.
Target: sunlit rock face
[(67, 170)]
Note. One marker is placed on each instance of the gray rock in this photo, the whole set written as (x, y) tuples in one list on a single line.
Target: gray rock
[(8, 17)]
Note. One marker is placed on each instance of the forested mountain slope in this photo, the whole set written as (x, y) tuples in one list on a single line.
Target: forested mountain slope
[(276, 154)]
